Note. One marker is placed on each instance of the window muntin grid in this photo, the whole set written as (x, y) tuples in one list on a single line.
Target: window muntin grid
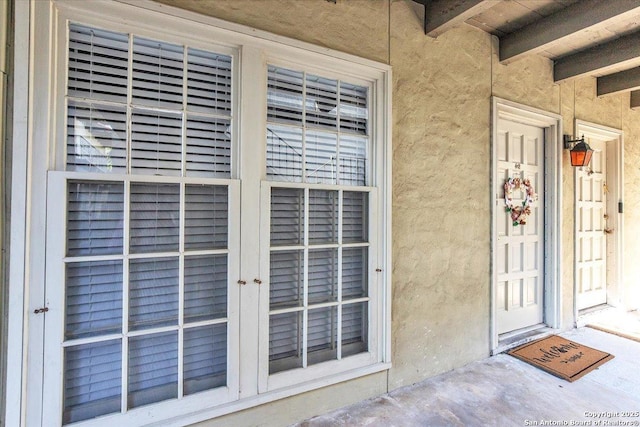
[(147, 259), (318, 287), (317, 129)]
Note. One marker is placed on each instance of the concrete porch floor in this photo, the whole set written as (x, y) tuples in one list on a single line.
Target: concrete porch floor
[(504, 391)]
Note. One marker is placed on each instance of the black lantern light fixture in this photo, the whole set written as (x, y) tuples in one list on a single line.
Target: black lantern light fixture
[(580, 151)]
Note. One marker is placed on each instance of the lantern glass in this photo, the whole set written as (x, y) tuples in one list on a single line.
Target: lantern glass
[(581, 154)]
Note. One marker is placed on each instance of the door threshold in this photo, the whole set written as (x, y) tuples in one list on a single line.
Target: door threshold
[(513, 339), (586, 315)]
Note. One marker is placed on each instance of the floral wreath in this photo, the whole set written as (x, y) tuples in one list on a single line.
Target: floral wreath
[(519, 213)]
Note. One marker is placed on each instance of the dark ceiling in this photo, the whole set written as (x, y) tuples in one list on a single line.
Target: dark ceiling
[(599, 38)]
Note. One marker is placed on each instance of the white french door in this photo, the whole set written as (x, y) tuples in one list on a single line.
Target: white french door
[(591, 228), (519, 257)]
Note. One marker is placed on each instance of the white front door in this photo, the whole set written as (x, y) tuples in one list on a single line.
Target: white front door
[(591, 228), (519, 264)]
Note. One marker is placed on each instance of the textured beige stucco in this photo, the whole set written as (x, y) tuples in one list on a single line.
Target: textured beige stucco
[(441, 163), (442, 92), (567, 110), (606, 110), (528, 81), (359, 27)]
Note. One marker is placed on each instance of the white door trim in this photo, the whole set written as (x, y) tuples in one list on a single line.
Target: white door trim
[(17, 311), (503, 109), (615, 184)]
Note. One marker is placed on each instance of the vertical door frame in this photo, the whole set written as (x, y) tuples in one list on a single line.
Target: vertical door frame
[(615, 168), (17, 315), (552, 124)]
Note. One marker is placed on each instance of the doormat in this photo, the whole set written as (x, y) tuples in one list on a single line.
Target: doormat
[(561, 357)]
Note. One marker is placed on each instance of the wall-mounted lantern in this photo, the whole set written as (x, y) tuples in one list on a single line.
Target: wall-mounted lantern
[(580, 151)]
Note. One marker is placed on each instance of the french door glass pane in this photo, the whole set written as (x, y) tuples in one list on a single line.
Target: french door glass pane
[(93, 298), (157, 73), (96, 137), (153, 293), (321, 157), (208, 147), (206, 217), (284, 95), (154, 217), (323, 275), (322, 335), (354, 110), (286, 274), (354, 272), (205, 288), (285, 341), (322, 102), (284, 153), (153, 368), (92, 380), (98, 64), (354, 328), (287, 216), (156, 143), (355, 217), (208, 82), (205, 358), (353, 160), (323, 216), (95, 215)]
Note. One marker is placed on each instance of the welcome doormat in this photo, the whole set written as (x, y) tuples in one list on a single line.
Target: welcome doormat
[(561, 357)]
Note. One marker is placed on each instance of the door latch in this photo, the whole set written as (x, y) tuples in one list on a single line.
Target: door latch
[(41, 310)]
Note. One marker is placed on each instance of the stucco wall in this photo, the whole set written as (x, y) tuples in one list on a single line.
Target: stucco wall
[(441, 160), (442, 92), (631, 126)]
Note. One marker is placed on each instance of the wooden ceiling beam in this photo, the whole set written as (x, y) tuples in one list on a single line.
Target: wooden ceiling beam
[(622, 81), (566, 22), (442, 15), (635, 99), (597, 58)]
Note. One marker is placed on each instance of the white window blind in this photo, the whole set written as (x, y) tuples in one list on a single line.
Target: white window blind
[(158, 105), (317, 129), (317, 133), (147, 261)]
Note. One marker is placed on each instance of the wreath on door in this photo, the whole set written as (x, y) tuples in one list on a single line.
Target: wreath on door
[(519, 213)]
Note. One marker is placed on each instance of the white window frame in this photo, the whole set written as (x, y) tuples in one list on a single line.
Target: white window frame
[(44, 101)]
